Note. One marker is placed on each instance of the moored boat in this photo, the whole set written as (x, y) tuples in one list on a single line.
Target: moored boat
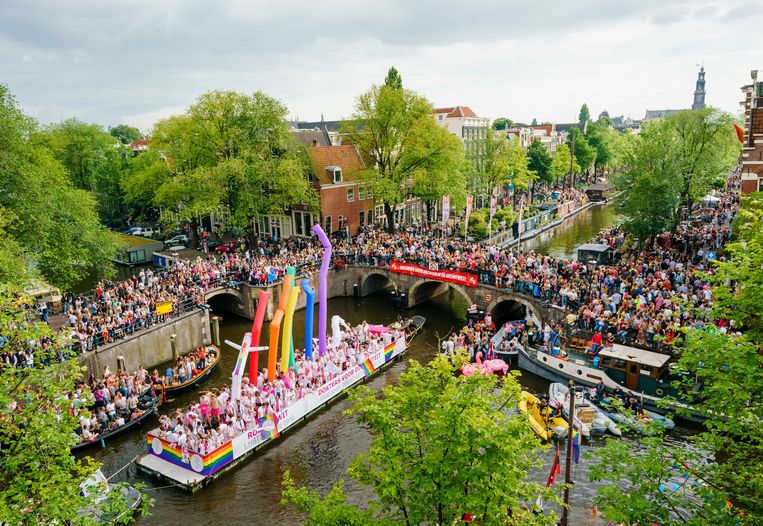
[(98, 489), (169, 390), (192, 470), (587, 419)]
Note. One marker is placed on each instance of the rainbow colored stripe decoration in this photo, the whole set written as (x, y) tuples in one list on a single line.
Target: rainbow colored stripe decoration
[(204, 465), (388, 352), (272, 432), (368, 367)]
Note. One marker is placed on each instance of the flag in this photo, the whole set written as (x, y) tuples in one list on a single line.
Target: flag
[(740, 133), (556, 469), (368, 367), (469, 204), (268, 426), (493, 205), (575, 446), (445, 208), (388, 352)]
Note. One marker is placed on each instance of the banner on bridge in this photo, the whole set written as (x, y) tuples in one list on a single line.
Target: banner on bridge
[(450, 276)]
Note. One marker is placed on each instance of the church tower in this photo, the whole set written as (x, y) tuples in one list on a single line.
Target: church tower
[(699, 92)]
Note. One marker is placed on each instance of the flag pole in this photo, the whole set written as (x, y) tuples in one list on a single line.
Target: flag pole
[(568, 460)]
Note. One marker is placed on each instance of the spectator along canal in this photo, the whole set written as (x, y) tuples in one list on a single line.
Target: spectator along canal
[(318, 453)]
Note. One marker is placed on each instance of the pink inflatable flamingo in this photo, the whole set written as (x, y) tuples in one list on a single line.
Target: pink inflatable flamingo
[(495, 366), (468, 369)]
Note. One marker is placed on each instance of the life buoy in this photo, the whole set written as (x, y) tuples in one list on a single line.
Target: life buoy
[(659, 392)]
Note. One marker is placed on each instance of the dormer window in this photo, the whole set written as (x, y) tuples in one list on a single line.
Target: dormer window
[(335, 173)]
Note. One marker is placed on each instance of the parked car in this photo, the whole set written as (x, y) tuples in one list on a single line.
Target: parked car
[(178, 240), (143, 231), (228, 246)]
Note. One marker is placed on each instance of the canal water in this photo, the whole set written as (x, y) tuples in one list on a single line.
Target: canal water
[(318, 453)]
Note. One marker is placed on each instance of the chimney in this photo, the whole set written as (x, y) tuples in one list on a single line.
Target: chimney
[(315, 142)]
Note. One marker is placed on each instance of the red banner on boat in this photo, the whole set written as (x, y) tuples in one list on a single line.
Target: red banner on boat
[(451, 276)]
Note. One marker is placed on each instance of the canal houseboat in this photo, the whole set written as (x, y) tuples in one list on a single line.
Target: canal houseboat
[(646, 373), (191, 471)]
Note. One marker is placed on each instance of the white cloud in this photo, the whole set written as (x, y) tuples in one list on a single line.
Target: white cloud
[(140, 61)]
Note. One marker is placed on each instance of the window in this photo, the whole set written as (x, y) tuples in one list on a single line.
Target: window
[(370, 216), (361, 193), (350, 195), (341, 223), (369, 193), (362, 216), (439, 117), (137, 256), (336, 173), (328, 225)]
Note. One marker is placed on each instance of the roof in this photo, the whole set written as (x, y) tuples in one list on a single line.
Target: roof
[(659, 114), (594, 247), (631, 354), (598, 187), (344, 156), (128, 241), (312, 137), (139, 144), (566, 126), (333, 126), (457, 111)]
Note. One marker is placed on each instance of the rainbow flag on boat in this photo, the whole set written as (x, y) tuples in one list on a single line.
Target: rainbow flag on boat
[(368, 367), (389, 351), (268, 426)]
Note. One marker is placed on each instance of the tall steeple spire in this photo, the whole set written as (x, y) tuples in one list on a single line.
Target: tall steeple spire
[(699, 92)]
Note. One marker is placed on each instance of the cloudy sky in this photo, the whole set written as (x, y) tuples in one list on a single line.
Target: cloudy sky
[(140, 60)]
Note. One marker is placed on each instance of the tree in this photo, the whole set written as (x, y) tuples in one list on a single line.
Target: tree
[(93, 161), (229, 153), (396, 136), (14, 268), (690, 149), (443, 445), (126, 134), (534, 122), (39, 477), (720, 472), (599, 137), (502, 161), (502, 123), (584, 153), (648, 207), (448, 177), (145, 175), (393, 79), (560, 164), (56, 224), (539, 161), (584, 115)]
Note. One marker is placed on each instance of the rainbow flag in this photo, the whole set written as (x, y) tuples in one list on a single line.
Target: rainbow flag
[(368, 367), (388, 352), (269, 422)]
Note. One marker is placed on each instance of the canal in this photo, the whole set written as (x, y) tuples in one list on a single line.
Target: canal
[(319, 452)]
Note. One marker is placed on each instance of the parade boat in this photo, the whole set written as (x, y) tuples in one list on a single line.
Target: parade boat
[(545, 425), (192, 471), (647, 374), (171, 390), (148, 404)]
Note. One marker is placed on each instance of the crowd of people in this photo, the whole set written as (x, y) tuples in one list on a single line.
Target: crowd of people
[(217, 417), (104, 404), (187, 367)]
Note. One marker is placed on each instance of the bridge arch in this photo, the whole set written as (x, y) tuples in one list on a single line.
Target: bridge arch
[(513, 307), (225, 299), (426, 289), (375, 282)]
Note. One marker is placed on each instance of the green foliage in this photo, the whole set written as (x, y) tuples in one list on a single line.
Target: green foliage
[(39, 477), (560, 164), (539, 161), (393, 79), (14, 267), (584, 115), (443, 446), (724, 463), (534, 122), (126, 134), (502, 123), (584, 153), (229, 153), (56, 225), (648, 207), (687, 152), (503, 161), (145, 175), (399, 141)]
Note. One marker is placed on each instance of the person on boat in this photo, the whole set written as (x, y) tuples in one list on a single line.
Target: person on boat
[(601, 390), (618, 393), (596, 341)]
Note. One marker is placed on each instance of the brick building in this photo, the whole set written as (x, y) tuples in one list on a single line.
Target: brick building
[(346, 202), (752, 150)]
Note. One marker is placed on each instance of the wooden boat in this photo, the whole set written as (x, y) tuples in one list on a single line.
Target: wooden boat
[(148, 404), (542, 423), (175, 389)]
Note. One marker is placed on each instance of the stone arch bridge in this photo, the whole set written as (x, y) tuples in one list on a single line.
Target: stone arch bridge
[(362, 280)]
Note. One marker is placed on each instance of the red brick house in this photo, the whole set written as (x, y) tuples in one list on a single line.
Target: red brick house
[(752, 149), (346, 202)]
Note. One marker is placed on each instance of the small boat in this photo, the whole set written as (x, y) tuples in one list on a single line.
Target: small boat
[(175, 389), (584, 413), (666, 422), (640, 423), (542, 423), (148, 403), (96, 486), (599, 424)]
